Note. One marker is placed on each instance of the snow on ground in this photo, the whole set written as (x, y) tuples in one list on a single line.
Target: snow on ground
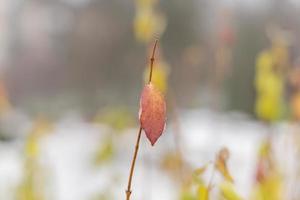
[(68, 152)]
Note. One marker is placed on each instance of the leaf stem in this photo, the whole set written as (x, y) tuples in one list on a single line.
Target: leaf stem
[(128, 191), (152, 61)]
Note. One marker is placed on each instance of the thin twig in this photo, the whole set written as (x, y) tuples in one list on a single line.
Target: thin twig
[(152, 61), (128, 191)]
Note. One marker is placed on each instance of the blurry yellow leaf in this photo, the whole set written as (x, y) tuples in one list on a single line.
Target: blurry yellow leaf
[(187, 195), (264, 62), (200, 170), (171, 162), (269, 182), (271, 189), (40, 127), (203, 192), (118, 118), (144, 25), (267, 109), (31, 187), (269, 87), (105, 151), (265, 149), (148, 24), (222, 168), (31, 147), (228, 192)]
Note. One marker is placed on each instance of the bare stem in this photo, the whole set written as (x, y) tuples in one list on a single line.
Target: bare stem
[(128, 191), (152, 61)]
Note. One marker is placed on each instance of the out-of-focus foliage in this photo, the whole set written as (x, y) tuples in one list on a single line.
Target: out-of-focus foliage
[(172, 163), (40, 127), (187, 195), (269, 182), (271, 188), (226, 189), (221, 164), (195, 188), (118, 118), (32, 188), (271, 69), (148, 22), (203, 192), (83, 55), (228, 192), (105, 151), (269, 87)]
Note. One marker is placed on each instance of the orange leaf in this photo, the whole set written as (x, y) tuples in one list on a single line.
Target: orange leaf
[(152, 112)]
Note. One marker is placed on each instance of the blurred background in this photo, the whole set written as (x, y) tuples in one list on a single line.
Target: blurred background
[(71, 73)]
